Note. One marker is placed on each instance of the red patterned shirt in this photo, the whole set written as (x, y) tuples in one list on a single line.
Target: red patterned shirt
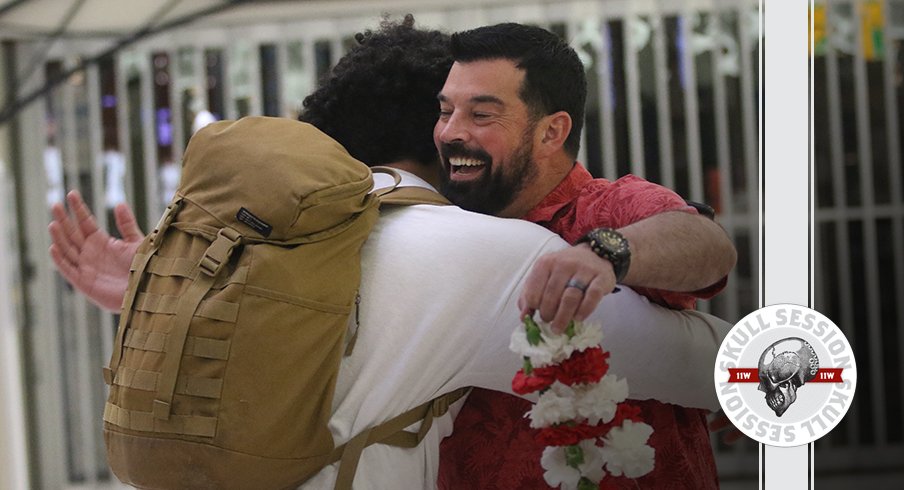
[(492, 444)]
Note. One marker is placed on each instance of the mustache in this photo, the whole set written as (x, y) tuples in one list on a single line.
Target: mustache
[(456, 149)]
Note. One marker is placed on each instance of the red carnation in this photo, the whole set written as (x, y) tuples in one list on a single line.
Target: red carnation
[(586, 367), (538, 379)]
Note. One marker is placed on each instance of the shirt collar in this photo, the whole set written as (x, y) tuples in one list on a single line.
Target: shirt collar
[(561, 196)]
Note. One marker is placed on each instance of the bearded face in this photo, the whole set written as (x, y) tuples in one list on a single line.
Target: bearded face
[(475, 181), (485, 136)]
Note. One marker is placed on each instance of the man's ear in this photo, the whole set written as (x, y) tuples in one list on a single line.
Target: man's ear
[(553, 131)]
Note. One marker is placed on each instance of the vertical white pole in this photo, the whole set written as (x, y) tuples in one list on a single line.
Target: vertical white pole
[(786, 201)]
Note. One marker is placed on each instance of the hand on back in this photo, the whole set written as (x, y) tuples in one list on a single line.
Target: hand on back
[(93, 262)]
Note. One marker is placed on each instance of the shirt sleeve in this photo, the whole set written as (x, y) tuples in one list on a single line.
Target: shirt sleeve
[(666, 355), (631, 199)]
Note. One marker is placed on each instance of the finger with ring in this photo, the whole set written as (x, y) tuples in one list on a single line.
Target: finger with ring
[(574, 283)]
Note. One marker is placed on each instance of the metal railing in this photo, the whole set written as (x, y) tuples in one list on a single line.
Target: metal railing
[(859, 219)]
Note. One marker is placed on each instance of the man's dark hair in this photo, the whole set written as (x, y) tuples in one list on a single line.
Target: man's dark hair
[(379, 101), (554, 77)]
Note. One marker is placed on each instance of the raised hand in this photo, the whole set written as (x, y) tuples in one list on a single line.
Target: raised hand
[(566, 285), (89, 258)]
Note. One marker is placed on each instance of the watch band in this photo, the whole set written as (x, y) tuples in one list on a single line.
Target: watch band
[(611, 245)]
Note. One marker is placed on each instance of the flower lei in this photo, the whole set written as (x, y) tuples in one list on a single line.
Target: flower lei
[(579, 415)]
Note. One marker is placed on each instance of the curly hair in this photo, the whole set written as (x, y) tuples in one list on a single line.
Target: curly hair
[(379, 101), (554, 77)]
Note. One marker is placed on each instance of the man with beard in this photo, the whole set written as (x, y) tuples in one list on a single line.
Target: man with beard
[(510, 120)]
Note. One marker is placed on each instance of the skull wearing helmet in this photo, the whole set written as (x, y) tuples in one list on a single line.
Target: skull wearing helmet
[(784, 367)]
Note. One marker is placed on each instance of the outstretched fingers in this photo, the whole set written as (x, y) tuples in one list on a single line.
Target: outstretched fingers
[(62, 243), (66, 267), (126, 223), (67, 230), (87, 225)]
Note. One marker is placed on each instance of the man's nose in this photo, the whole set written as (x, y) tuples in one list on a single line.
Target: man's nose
[(453, 129)]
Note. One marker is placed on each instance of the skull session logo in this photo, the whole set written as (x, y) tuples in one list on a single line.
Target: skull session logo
[(785, 375)]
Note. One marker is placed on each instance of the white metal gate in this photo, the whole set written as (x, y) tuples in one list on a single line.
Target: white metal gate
[(859, 221)]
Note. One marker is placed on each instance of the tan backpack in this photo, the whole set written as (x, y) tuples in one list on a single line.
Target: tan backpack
[(235, 318)]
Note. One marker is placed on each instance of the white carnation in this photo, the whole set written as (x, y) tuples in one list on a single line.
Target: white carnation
[(586, 335), (554, 406), (555, 347), (558, 348), (598, 402), (557, 472), (539, 355), (626, 451), (592, 468)]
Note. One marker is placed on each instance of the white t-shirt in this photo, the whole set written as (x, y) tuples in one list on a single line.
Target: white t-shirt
[(438, 306)]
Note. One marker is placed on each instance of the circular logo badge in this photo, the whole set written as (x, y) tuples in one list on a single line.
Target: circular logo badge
[(785, 375)]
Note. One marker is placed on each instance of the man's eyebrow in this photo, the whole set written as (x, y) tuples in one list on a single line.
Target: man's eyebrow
[(491, 99), (477, 99)]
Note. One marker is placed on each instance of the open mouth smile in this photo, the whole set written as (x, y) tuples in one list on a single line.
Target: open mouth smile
[(462, 168)]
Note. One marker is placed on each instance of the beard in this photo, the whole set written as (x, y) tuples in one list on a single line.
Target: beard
[(496, 189)]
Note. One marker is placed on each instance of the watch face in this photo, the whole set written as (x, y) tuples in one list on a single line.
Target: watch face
[(612, 246), (613, 242)]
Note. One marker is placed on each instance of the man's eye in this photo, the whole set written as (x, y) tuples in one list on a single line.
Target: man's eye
[(481, 115), (444, 114)]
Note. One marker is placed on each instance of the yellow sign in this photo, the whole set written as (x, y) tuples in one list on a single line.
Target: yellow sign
[(871, 15), (871, 20)]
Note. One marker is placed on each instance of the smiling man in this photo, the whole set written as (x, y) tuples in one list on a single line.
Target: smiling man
[(511, 113), (488, 139)]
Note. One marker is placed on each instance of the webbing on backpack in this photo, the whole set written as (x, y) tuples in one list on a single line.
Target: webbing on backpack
[(213, 260), (166, 219)]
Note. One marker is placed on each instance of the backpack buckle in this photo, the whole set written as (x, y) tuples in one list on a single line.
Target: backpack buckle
[(218, 253)]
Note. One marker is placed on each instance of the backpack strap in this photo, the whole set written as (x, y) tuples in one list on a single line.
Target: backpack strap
[(389, 171), (393, 433), (406, 196)]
